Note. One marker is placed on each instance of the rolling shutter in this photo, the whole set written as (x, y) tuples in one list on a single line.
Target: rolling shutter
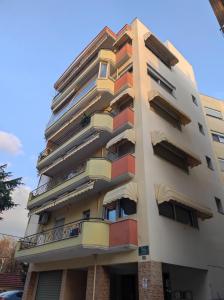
[(49, 285)]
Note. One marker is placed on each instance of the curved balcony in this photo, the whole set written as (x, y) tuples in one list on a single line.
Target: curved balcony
[(95, 169), (88, 100), (103, 56), (96, 175), (88, 139), (80, 238)]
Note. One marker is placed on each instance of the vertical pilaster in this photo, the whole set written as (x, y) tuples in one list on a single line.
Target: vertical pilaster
[(30, 286), (150, 280), (98, 284)]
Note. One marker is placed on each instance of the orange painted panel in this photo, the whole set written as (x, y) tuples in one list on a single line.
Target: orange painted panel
[(123, 165), (125, 51), (123, 232), (125, 81), (126, 116)]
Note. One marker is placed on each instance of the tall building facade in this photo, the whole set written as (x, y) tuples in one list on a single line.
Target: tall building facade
[(218, 8), (125, 207), (214, 115)]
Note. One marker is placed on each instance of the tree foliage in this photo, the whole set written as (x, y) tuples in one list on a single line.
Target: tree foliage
[(7, 186)]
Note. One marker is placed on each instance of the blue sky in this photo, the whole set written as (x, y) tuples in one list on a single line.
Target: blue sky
[(39, 39)]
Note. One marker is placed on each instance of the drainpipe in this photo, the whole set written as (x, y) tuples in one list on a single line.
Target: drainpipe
[(94, 276)]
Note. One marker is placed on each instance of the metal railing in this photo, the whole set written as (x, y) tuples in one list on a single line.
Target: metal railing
[(84, 90), (69, 230), (57, 181)]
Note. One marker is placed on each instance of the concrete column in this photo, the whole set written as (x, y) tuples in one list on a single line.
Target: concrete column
[(150, 281), (30, 286), (98, 284)]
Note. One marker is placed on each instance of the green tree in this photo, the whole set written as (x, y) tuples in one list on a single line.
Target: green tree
[(7, 186)]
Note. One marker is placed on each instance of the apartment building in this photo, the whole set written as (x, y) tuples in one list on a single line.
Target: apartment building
[(214, 115), (218, 8), (126, 203)]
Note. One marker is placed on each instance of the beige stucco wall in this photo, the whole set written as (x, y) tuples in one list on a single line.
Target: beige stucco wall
[(170, 241), (215, 125)]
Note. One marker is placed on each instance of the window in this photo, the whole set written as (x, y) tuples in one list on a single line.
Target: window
[(218, 137), (221, 163), (103, 70), (209, 163), (160, 80), (179, 213), (169, 116), (111, 212), (213, 113), (86, 214), (201, 128), (172, 154), (120, 209), (219, 205), (195, 101)]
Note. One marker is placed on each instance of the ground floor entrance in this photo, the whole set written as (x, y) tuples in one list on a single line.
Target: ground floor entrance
[(124, 282), (146, 280)]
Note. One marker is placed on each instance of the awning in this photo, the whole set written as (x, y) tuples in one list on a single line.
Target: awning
[(160, 50), (158, 137), (128, 190), (84, 188), (128, 134), (166, 193), (126, 93), (157, 98)]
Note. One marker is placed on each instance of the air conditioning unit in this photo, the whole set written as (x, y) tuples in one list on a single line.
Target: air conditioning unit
[(44, 217)]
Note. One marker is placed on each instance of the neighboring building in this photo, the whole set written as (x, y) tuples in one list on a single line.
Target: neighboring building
[(214, 115), (218, 8), (10, 281), (128, 182)]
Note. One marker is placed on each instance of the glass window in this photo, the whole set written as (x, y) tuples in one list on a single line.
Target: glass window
[(103, 70), (219, 205), (218, 137), (160, 80), (194, 100), (209, 163), (179, 213), (201, 128), (221, 163), (86, 214), (213, 113), (126, 207), (166, 210)]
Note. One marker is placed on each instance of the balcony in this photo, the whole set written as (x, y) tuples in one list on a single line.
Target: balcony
[(99, 173), (95, 169), (81, 238), (123, 168), (124, 120), (89, 137), (123, 55), (123, 82), (103, 55)]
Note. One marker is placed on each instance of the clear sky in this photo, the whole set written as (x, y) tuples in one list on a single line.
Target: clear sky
[(39, 39)]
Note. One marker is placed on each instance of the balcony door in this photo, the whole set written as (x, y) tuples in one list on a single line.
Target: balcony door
[(58, 229)]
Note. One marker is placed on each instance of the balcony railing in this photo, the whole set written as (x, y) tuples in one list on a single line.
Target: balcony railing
[(85, 122), (86, 89), (59, 233), (53, 183)]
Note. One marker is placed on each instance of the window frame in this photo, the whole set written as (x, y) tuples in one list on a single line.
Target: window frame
[(207, 109), (100, 68), (219, 137), (201, 128), (219, 205), (192, 214), (209, 163), (158, 78)]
